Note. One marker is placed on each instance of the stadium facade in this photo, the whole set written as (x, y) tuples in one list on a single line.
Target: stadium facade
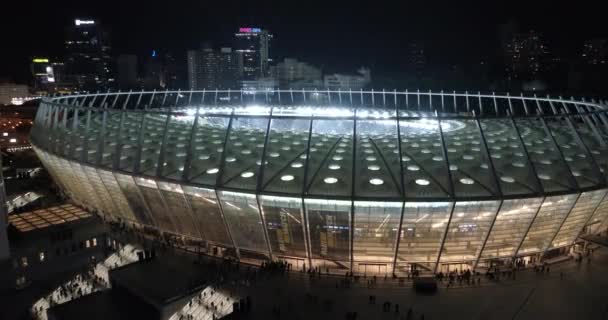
[(367, 181)]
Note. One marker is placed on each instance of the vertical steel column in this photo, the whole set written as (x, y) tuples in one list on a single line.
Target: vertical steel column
[(483, 245), (466, 98), (352, 190), (399, 230), (418, 98), (373, 101), (521, 242), (220, 175), (259, 184), (445, 235), (139, 99), (304, 191), (407, 99), (442, 102), (455, 104), (480, 104), (430, 101), (221, 207), (523, 101), (398, 239), (495, 104)]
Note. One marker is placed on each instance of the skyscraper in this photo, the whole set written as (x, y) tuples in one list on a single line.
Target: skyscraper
[(253, 47), (126, 66), (212, 69), (88, 61), (43, 74)]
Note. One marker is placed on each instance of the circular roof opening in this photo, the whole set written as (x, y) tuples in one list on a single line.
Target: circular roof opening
[(422, 182), (247, 174), (467, 181), (438, 158), (373, 167), (287, 177), (246, 151), (543, 176), (376, 181), (507, 179), (413, 167), (230, 159), (371, 158), (297, 165), (212, 171), (334, 166), (330, 180), (337, 158), (274, 154)]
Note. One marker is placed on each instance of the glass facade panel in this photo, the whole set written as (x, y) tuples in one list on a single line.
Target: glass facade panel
[(176, 146), (206, 149), (548, 163), (105, 200), (284, 222), (117, 196), (286, 155), (375, 231), (131, 193), (510, 226), (159, 211), (178, 208), (243, 217), (93, 136), (548, 219), (377, 165), (515, 173), (600, 214), (422, 232), (329, 229), (425, 170), (207, 215), (244, 153), (85, 186), (580, 214), (468, 159), (330, 161), (468, 229)]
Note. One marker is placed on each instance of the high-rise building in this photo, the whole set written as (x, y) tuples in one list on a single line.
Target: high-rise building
[(153, 73), (253, 47), (348, 81), (88, 61), (126, 67), (526, 56), (417, 58), (212, 69), (291, 73), (43, 74), (10, 91), (595, 52)]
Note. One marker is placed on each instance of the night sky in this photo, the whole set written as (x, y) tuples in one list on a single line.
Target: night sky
[(338, 36)]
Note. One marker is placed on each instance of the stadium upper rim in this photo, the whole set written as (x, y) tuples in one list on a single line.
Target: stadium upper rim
[(439, 146)]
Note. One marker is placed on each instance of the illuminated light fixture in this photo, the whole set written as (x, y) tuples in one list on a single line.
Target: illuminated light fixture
[(376, 181), (297, 165), (334, 166), (422, 182), (247, 174), (287, 177), (543, 176), (467, 181), (413, 167), (212, 171), (373, 167), (507, 179), (40, 60), (330, 180), (79, 22)]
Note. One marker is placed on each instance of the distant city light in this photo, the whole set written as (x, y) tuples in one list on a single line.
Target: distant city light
[(250, 30), (153, 53), (81, 22), (40, 60)]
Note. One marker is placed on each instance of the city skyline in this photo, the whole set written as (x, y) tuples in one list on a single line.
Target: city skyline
[(358, 34)]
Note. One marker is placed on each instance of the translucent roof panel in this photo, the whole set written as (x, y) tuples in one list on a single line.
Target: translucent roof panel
[(588, 129), (548, 162), (110, 137), (577, 158), (244, 149), (468, 160), (515, 173), (206, 149), (377, 165), (285, 158), (331, 158), (425, 169), (151, 142), (129, 139), (177, 141)]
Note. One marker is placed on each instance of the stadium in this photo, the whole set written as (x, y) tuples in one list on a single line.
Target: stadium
[(366, 181)]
